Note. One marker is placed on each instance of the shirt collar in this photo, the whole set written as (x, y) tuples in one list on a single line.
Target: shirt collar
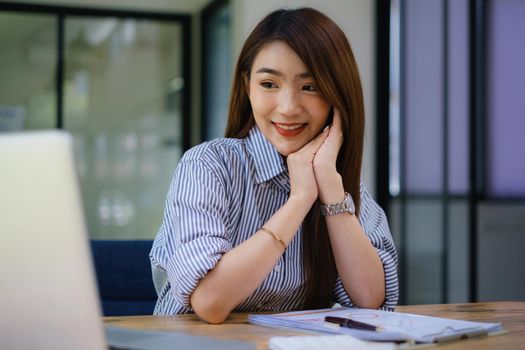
[(268, 162)]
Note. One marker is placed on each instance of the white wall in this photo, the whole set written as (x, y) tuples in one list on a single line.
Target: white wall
[(357, 19)]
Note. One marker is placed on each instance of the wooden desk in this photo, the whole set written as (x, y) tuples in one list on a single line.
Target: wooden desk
[(510, 314)]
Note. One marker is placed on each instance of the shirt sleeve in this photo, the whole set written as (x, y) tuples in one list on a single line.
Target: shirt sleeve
[(193, 227), (374, 223)]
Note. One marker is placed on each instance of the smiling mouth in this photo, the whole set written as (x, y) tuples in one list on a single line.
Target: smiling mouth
[(289, 130)]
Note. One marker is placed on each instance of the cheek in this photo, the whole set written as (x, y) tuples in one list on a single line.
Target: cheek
[(319, 111), (262, 104)]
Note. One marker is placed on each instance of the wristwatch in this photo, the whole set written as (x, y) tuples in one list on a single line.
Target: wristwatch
[(346, 206)]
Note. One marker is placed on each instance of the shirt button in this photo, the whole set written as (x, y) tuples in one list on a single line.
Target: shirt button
[(277, 268)]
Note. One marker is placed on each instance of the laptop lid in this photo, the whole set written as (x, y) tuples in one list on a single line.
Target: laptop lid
[(48, 297), (48, 293)]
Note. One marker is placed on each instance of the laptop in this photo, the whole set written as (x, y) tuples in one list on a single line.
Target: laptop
[(48, 291)]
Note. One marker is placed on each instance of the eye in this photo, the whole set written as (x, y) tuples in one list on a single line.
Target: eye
[(268, 85), (310, 88)]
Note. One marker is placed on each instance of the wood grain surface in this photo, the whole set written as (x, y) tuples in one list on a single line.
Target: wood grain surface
[(510, 314)]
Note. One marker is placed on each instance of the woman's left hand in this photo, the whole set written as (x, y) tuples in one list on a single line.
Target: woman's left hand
[(328, 180)]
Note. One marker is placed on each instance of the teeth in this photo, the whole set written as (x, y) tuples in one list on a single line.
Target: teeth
[(290, 127)]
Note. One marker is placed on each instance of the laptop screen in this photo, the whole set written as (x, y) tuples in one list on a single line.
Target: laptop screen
[(49, 296)]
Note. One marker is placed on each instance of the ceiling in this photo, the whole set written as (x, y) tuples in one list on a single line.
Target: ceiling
[(174, 6), (12, 33)]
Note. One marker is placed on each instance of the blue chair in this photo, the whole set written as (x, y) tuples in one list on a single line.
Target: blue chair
[(124, 276)]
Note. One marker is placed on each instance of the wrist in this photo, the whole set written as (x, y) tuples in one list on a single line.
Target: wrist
[(301, 202), (331, 189), (324, 168), (345, 206)]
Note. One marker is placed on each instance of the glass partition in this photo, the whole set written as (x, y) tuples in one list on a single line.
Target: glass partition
[(217, 69), (506, 99), (123, 86), (27, 71)]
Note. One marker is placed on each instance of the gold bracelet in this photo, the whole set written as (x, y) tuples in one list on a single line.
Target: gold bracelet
[(277, 238)]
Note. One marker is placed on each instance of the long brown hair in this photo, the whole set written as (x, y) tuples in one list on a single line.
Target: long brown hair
[(325, 50)]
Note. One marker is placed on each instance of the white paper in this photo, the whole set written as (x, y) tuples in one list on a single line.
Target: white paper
[(325, 342), (395, 326)]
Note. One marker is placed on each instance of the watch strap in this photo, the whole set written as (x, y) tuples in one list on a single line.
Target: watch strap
[(346, 206)]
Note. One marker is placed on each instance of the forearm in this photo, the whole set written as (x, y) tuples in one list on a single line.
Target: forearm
[(241, 270), (358, 265)]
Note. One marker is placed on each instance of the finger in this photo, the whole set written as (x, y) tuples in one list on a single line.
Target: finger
[(336, 130), (337, 123), (337, 118), (314, 145)]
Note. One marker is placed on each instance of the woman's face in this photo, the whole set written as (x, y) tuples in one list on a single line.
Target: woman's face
[(287, 107)]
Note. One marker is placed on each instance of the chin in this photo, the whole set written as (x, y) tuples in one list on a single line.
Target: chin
[(286, 151)]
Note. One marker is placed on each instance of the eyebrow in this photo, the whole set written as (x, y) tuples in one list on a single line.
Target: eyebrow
[(280, 74)]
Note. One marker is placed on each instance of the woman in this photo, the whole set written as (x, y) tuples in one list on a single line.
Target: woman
[(273, 217)]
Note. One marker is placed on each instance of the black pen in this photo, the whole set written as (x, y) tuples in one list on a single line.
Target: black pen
[(348, 323)]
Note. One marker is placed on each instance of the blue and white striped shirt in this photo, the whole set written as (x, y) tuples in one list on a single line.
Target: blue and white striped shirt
[(221, 193)]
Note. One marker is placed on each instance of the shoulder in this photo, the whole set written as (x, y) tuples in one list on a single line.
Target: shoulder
[(221, 157), (215, 151)]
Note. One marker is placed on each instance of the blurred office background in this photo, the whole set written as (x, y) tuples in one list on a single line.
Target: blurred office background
[(139, 82)]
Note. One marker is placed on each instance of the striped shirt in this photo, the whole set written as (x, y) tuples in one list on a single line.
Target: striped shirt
[(221, 193)]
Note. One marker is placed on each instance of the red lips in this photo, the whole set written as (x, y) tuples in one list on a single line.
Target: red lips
[(289, 129)]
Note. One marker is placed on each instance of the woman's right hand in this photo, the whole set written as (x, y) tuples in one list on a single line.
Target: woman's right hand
[(303, 185)]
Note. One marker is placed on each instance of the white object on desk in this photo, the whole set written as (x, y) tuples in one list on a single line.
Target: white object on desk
[(325, 342), (396, 326)]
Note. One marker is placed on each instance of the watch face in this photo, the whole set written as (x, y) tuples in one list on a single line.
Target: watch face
[(346, 206)]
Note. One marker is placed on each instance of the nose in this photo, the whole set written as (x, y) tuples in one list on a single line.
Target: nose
[(289, 103)]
